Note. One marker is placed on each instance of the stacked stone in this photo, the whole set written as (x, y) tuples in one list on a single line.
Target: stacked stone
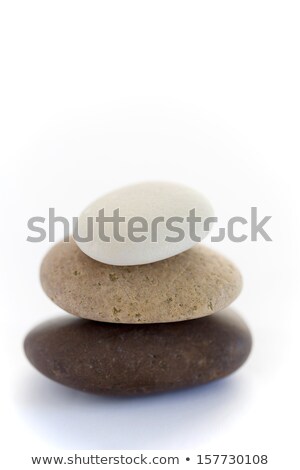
[(151, 315)]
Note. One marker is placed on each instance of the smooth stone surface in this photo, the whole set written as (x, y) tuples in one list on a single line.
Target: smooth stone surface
[(148, 200), (192, 284), (137, 359)]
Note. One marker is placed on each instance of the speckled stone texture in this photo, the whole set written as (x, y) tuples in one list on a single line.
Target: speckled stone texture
[(193, 284), (120, 359)]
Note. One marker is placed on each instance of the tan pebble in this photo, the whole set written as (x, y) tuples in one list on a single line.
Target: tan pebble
[(190, 285)]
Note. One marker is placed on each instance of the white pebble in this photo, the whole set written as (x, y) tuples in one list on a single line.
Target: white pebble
[(148, 200)]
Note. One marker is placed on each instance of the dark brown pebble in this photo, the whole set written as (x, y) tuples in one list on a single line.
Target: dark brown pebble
[(118, 359)]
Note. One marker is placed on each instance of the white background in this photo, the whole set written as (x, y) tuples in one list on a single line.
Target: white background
[(99, 94)]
